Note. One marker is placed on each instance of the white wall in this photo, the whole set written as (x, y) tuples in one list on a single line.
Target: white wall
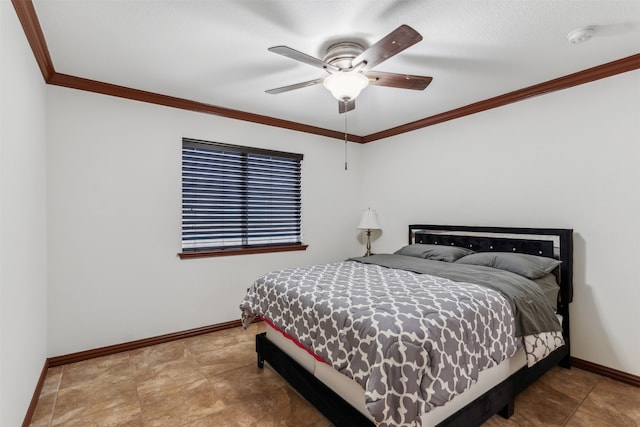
[(114, 219), (566, 160), (23, 262)]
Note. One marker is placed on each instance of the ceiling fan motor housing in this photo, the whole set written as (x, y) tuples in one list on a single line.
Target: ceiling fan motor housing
[(342, 53)]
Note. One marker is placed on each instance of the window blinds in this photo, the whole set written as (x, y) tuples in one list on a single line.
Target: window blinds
[(239, 197)]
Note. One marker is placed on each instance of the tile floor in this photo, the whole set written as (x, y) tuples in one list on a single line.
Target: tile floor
[(212, 380)]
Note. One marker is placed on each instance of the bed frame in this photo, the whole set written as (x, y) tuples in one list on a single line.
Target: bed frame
[(549, 242)]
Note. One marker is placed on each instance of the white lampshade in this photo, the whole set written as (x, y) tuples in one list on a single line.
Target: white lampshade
[(346, 85), (369, 220)]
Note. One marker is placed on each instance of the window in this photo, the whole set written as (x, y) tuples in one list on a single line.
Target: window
[(239, 199)]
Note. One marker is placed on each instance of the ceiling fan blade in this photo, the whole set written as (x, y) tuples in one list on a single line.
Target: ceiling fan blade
[(294, 86), (393, 43), (401, 81), (343, 107), (302, 57)]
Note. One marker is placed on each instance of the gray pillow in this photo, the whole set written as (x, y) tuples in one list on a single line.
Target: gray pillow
[(530, 266), (434, 252)]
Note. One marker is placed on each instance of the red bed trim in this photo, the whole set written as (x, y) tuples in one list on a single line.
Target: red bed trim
[(295, 341)]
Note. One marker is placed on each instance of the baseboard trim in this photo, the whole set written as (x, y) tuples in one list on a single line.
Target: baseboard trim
[(113, 349), (161, 339), (51, 362), (614, 374), (36, 395), (134, 345)]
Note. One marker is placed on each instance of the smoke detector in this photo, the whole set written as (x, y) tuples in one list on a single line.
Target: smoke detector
[(581, 35)]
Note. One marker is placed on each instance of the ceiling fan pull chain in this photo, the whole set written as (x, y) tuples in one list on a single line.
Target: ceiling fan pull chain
[(345, 133)]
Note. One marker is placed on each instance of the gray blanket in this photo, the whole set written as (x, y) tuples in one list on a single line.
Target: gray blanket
[(531, 308)]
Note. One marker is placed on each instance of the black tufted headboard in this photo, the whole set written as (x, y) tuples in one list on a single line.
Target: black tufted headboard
[(548, 242)]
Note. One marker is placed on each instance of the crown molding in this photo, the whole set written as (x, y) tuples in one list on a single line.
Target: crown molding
[(33, 31), (73, 82), (591, 74)]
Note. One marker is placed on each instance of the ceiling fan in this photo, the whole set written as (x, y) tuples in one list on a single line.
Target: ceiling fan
[(349, 66)]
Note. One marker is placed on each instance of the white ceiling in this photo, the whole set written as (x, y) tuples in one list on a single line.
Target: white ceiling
[(216, 51)]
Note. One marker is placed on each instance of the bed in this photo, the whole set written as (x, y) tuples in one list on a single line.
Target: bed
[(429, 375)]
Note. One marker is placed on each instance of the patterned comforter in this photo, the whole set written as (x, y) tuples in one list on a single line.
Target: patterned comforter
[(412, 341)]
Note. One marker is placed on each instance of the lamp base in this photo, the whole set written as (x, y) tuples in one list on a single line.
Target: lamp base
[(368, 253)]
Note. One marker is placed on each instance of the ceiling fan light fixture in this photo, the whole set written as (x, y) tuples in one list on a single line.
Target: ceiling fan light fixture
[(346, 86)]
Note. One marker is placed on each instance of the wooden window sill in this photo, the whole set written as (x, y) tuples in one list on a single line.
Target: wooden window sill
[(240, 251)]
